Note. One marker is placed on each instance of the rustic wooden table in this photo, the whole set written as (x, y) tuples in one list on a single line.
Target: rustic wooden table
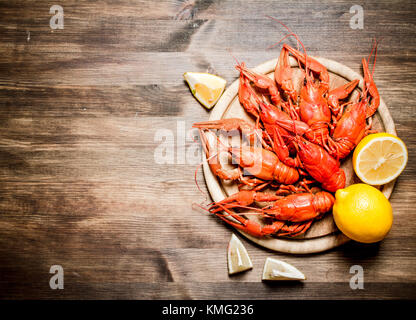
[(82, 111)]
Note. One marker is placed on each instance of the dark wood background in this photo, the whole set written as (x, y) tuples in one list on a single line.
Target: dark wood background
[(79, 111)]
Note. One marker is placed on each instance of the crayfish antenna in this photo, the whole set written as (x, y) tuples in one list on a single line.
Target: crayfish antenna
[(374, 48), (286, 36), (239, 64), (370, 92), (234, 57), (196, 181), (200, 207), (291, 33), (200, 164)]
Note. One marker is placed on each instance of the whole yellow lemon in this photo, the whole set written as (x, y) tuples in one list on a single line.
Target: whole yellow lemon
[(362, 213)]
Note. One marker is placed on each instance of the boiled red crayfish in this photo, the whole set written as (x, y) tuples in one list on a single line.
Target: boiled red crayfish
[(299, 209), (263, 164)]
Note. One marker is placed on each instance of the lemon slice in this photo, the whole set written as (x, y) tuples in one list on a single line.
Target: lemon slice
[(206, 87), (279, 270), (238, 259), (379, 158)]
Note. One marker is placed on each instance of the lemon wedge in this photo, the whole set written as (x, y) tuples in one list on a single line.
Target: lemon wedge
[(206, 88), (238, 259), (379, 158), (279, 270)]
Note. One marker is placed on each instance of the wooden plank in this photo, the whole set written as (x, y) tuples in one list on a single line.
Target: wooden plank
[(79, 111)]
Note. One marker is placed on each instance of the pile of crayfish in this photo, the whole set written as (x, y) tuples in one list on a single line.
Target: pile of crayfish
[(293, 147)]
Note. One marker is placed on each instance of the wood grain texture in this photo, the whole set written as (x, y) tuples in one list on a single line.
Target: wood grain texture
[(79, 110)]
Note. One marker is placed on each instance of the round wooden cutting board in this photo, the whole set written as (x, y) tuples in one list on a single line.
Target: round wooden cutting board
[(323, 234)]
